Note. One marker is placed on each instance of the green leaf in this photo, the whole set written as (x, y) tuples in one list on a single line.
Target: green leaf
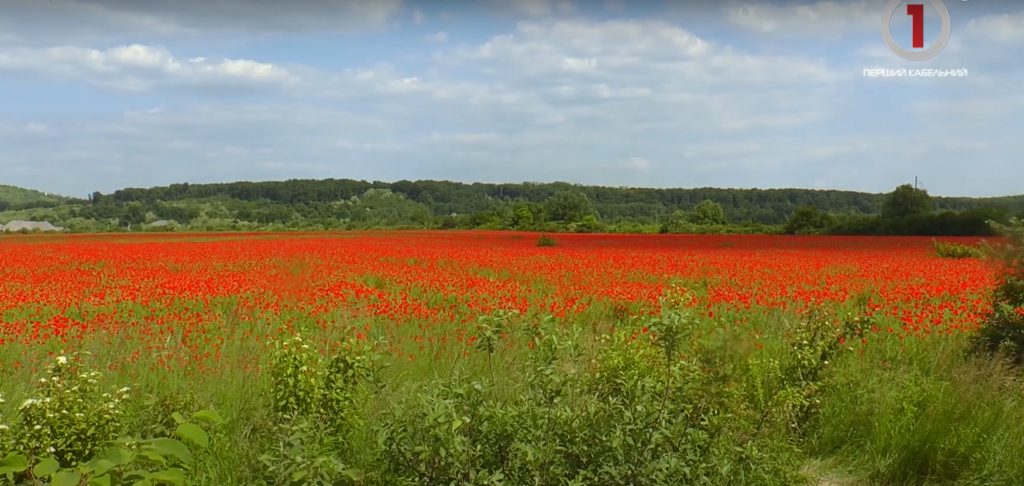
[(46, 467), (153, 456), (118, 456), (193, 433), (67, 478), (102, 466), (103, 480), (178, 418), (174, 448), (137, 473), (354, 474), (209, 416), (13, 463), (169, 476)]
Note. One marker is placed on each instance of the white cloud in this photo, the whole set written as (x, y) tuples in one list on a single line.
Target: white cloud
[(827, 18), (138, 67), (436, 38), (649, 52), (77, 21), (36, 127), (649, 74), (418, 17), (1005, 27)]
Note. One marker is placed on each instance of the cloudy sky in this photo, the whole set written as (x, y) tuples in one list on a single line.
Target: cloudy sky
[(105, 94)]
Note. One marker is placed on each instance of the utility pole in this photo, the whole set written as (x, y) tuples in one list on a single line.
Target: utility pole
[(915, 182)]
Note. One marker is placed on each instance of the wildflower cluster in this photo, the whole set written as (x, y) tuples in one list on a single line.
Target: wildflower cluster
[(66, 419)]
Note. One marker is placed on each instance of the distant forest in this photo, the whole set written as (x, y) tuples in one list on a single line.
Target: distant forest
[(353, 204)]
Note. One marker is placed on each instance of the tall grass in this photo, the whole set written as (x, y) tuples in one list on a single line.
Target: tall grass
[(730, 403)]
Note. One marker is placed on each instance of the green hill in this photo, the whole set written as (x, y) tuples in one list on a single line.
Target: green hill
[(17, 195)]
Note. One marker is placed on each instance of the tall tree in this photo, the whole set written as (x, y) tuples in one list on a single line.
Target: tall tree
[(677, 222), (808, 220), (907, 200), (133, 213), (568, 206), (708, 212)]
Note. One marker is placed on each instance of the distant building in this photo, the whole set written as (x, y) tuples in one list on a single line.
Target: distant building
[(29, 225)]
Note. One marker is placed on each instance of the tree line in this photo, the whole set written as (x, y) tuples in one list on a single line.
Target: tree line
[(351, 204), (615, 204)]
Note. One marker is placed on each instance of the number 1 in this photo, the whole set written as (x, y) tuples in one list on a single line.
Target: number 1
[(917, 12)]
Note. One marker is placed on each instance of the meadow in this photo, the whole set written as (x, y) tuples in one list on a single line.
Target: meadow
[(472, 358)]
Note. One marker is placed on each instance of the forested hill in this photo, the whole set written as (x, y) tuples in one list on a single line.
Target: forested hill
[(16, 195), (613, 204)]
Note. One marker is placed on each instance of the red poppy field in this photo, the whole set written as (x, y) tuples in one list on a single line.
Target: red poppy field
[(677, 358), (422, 291)]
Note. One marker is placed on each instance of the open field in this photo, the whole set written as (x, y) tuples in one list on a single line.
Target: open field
[(784, 352)]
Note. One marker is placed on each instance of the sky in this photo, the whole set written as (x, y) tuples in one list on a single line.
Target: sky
[(106, 94)]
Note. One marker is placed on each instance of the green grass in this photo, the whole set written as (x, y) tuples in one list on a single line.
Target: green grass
[(889, 412)]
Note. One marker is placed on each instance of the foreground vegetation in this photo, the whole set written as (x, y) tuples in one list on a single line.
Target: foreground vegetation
[(559, 207), (425, 377)]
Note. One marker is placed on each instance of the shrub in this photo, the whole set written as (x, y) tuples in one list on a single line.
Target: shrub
[(66, 433), (653, 406), (945, 249), (69, 419), (808, 220), (314, 403), (1004, 330), (546, 240)]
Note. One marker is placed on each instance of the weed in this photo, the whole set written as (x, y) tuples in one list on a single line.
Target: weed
[(946, 249), (546, 240)]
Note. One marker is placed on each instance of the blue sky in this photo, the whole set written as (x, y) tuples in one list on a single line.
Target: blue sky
[(105, 94)]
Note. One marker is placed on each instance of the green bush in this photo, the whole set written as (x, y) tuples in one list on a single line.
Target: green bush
[(66, 433), (659, 403), (1004, 330), (68, 419), (546, 240), (314, 401), (945, 249)]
